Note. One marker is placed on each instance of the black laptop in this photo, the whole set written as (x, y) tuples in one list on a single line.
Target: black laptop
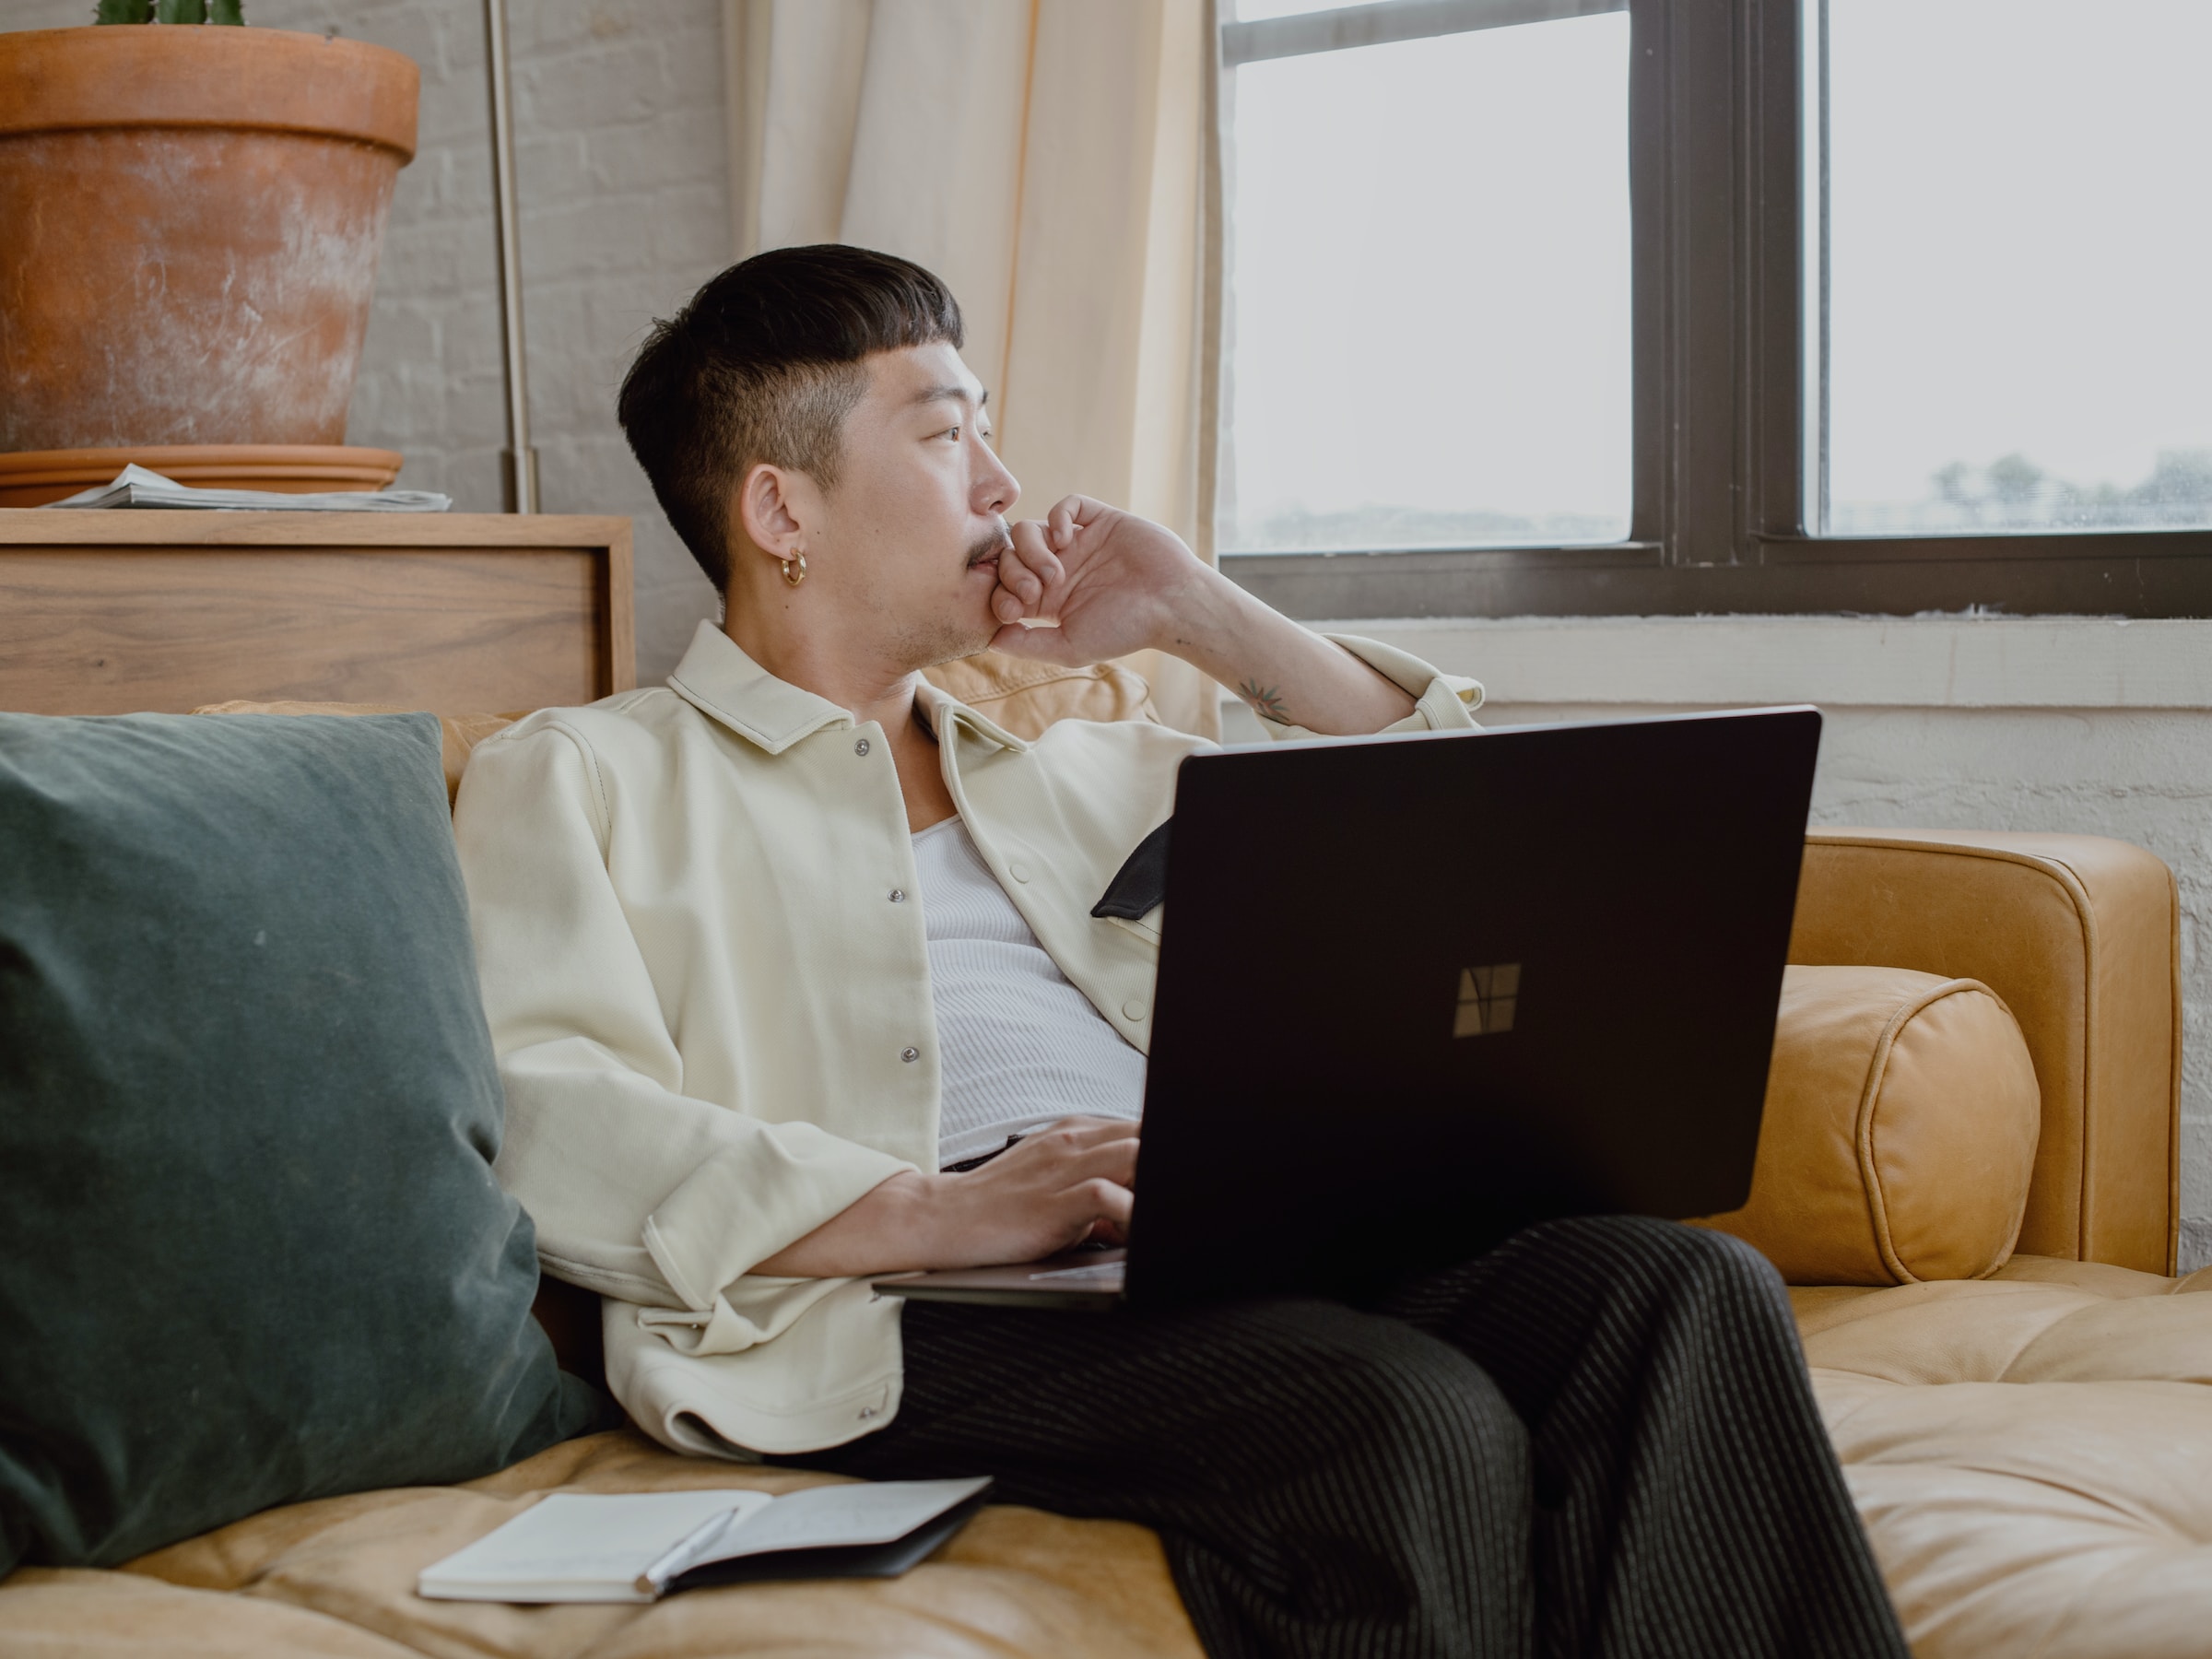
[(1419, 992)]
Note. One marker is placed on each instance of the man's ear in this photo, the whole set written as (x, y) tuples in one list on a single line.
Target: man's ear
[(776, 507)]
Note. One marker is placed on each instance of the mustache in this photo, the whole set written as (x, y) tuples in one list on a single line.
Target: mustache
[(998, 541)]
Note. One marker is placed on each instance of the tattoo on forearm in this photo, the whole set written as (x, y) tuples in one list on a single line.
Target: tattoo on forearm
[(1266, 701)]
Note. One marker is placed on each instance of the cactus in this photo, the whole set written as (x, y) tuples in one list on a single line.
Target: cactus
[(167, 11)]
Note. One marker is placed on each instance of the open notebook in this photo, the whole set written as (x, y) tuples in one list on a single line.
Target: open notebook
[(636, 1547)]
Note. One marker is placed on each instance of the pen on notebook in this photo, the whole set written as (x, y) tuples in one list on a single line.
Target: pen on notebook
[(684, 1554)]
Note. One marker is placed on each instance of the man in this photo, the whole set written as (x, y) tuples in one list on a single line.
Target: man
[(772, 956)]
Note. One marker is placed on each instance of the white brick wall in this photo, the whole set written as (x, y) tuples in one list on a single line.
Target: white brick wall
[(622, 173)]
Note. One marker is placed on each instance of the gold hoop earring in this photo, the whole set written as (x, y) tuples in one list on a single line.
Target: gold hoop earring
[(801, 576)]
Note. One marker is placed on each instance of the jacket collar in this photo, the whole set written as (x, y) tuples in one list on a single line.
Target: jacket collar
[(941, 710), (719, 679)]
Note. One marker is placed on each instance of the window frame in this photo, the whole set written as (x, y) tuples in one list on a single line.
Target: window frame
[(1720, 520)]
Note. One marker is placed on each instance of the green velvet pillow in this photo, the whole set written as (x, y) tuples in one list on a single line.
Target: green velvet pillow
[(251, 1247)]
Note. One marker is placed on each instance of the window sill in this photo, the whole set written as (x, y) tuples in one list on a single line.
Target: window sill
[(2130, 573), (1860, 662)]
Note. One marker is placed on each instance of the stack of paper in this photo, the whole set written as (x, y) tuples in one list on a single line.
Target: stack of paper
[(138, 486)]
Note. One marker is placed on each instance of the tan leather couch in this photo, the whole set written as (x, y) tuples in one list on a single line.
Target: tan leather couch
[(1969, 1165), (2031, 1450)]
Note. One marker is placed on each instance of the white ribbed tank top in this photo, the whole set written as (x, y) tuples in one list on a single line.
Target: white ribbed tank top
[(1019, 1047)]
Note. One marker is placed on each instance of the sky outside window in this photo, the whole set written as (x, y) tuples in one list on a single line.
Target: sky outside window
[(2020, 265), (1430, 292)]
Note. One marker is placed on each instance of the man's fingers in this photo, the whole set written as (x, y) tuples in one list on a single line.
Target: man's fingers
[(1072, 1137), (1113, 1160), (1017, 563), (1111, 1165), (1086, 1123), (1025, 571), (1107, 1200), (1069, 514), (1061, 521), (1069, 1154), (1035, 567)]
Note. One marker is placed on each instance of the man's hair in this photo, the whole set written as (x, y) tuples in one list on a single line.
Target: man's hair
[(764, 366)]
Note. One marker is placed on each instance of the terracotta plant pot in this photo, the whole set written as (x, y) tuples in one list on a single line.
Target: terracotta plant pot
[(189, 226)]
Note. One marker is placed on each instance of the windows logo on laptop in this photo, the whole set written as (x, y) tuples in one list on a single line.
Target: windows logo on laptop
[(1486, 1000)]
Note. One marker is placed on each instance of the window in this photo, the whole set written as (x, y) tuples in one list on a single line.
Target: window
[(1488, 402), (1606, 307), (2013, 256)]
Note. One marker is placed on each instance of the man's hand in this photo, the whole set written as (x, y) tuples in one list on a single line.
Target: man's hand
[(1050, 1192), (1106, 582)]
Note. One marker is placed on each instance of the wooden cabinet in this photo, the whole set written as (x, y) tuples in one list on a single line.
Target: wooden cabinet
[(110, 611)]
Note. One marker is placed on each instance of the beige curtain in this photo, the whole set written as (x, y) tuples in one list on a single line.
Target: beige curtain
[(1046, 157)]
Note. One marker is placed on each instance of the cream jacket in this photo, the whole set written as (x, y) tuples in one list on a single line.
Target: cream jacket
[(712, 1003)]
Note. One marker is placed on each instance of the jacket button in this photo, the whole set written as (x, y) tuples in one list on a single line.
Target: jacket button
[(898, 894), (861, 747), (1133, 1009), (910, 1054), (1020, 872)]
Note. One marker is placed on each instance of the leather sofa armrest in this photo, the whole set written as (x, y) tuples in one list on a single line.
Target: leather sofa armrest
[(2079, 936)]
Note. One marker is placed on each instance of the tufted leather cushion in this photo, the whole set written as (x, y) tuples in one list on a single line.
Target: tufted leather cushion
[(1899, 1132), (2032, 1454), (337, 1577)]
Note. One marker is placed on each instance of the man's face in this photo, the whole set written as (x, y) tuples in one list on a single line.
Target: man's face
[(908, 538)]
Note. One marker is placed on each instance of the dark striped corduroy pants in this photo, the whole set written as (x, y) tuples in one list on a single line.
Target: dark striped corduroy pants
[(1597, 1439)]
